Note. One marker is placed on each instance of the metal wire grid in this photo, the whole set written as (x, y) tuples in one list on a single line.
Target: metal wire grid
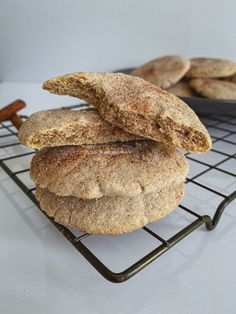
[(223, 124)]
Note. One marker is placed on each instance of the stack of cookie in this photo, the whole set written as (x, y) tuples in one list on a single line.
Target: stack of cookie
[(115, 168), (209, 77)]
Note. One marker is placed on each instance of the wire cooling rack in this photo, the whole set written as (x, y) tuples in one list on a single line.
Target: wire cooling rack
[(222, 129)]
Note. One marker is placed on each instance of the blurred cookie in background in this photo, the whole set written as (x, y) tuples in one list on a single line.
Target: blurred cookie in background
[(211, 68), (215, 89), (163, 72), (183, 89)]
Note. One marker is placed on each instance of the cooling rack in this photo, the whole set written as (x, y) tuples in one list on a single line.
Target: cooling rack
[(223, 129)]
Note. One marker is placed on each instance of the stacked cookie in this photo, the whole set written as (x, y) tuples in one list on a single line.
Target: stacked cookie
[(115, 168), (208, 77)]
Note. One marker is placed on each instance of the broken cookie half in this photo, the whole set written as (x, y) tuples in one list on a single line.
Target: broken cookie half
[(137, 107)]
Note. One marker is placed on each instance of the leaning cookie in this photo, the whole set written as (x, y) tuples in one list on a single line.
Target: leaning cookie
[(137, 107), (215, 89), (115, 169), (110, 215), (68, 127), (163, 72), (211, 68)]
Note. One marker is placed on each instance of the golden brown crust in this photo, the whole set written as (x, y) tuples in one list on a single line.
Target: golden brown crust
[(137, 107), (93, 171), (68, 127), (163, 72), (110, 215), (211, 68), (215, 89)]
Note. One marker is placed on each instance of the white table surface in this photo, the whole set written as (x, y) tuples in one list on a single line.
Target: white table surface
[(40, 272)]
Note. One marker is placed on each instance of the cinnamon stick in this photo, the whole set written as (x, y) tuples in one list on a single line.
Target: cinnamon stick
[(11, 109)]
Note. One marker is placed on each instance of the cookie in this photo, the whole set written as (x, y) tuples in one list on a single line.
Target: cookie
[(68, 127), (137, 107), (110, 215), (115, 169), (215, 89), (182, 89), (211, 68), (163, 72)]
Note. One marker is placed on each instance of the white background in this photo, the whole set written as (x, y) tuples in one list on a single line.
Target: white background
[(40, 39)]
